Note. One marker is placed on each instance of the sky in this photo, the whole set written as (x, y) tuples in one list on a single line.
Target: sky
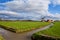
[(30, 9)]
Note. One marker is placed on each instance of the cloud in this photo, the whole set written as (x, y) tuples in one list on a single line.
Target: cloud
[(30, 9), (56, 2), (8, 12), (57, 15), (39, 6), (13, 15)]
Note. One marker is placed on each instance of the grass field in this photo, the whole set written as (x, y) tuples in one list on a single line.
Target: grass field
[(54, 31), (1, 38), (23, 25)]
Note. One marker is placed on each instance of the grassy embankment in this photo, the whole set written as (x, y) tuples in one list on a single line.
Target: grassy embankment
[(22, 26), (53, 32), (1, 38)]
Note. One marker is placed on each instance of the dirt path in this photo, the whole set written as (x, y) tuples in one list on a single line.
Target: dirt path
[(23, 36)]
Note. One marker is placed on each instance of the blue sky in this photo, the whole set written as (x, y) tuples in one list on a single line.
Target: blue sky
[(3, 1), (54, 9), (30, 9)]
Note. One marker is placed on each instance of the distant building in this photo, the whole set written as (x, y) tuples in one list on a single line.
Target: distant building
[(50, 20)]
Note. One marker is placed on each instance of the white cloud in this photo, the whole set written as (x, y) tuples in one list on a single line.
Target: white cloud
[(29, 8), (38, 6), (9, 13), (56, 2), (57, 15)]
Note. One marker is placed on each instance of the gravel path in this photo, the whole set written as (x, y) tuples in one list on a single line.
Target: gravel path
[(22, 36)]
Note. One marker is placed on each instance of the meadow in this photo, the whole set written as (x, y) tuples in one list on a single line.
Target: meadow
[(22, 26), (53, 31)]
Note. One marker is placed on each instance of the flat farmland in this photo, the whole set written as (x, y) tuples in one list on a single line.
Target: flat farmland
[(22, 26)]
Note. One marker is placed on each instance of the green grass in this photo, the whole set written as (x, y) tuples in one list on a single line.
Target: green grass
[(23, 25), (1, 38), (54, 31)]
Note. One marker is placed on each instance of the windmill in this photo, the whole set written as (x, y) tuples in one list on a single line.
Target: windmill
[(43, 19)]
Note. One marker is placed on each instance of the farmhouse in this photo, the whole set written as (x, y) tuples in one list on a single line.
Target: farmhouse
[(50, 20)]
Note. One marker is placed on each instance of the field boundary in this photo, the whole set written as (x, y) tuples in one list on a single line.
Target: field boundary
[(7, 28)]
